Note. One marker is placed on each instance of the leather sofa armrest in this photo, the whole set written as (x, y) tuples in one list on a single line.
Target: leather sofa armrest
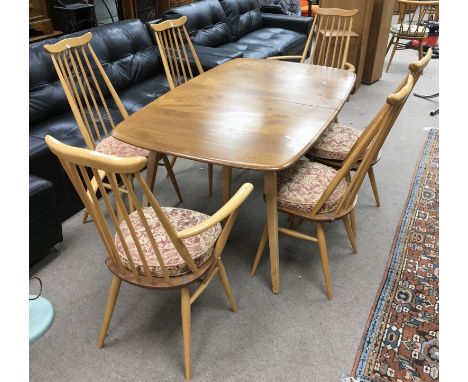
[(299, 24)]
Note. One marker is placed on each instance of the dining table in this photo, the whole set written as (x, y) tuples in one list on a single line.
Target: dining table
[(254, 114)]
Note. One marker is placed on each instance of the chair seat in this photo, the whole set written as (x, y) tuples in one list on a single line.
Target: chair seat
[(113, 146), (199, 246), (407, 30), (301, 186), (335, 142)]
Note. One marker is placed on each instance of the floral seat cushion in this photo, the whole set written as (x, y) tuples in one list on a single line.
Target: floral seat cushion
[(199, 246), (407, 30), (301, 186), (335, 142), (113, 146)]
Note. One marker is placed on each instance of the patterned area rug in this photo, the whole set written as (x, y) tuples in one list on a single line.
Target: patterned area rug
[(401, 342)]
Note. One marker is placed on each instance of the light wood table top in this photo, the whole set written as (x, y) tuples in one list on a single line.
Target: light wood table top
[(246, 113)]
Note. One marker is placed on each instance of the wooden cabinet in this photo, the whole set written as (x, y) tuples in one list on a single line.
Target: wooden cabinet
[(361, 26), (40, 25), (378, 40)]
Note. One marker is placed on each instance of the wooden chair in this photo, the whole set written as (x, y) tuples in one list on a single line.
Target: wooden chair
[(172, 39), (150, 247), (86, 86), (338, 139), (413, 19), (328, 40), (318, 193)]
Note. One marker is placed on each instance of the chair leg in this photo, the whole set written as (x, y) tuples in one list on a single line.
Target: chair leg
[(393, 53), (186, 332), (324, 259), (420, 48), (390, 44), (85, 217), (227, 287), (210, 179), (349, 231), (260, 250), (352, 218), (111, 299), (373, 183), (173, 159), (170, 172)]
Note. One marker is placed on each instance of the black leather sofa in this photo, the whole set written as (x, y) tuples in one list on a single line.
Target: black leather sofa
[(130, 58), (238, 25)]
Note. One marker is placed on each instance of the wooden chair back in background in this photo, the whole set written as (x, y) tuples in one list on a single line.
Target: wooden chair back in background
[(172, 39)]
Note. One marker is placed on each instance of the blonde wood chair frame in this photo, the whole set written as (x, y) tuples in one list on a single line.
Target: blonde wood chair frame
[(330, 24), (78, 164), (172, 38), (369, 142), (412, 14), (84, 82), (416, 70)]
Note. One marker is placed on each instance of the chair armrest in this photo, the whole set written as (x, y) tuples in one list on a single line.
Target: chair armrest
[(349, 67), (233, 204), (299, 24), (285, 58)]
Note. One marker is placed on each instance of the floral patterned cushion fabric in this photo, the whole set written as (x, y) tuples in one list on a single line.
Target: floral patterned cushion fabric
[(301, 186), (113, 146), (413, 30), (335, 142), (199, 246)]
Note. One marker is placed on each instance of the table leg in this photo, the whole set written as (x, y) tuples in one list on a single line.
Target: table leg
[(227, 179), (151, 171), (270, 189)]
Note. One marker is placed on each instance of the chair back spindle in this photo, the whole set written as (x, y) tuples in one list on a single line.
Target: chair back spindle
[(330, 37), (86, 86), (115, 214), (173, 40)]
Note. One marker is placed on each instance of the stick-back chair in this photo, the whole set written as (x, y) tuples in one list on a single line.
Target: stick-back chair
[(176, 50), (413, 24), (320, 194), (328, 40), (95, 104), (151, 247), (337, 139)]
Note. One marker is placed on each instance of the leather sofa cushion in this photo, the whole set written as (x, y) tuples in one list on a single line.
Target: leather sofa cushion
[(199, 14), (212, 35), (282, 40), (252, 50), (142, 93), (238, 7), (245, 23)]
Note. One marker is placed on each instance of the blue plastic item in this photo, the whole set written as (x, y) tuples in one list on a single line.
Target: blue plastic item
[(41, 316)]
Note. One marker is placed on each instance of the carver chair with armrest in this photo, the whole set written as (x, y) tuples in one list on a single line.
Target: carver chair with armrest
[(338, 139), (151, 247), (321, 194), (87, 88), (328, 40), (413, 24), (173, 40)]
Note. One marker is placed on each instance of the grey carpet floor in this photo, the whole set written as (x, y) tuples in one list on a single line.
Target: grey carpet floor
[(297, 335)]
